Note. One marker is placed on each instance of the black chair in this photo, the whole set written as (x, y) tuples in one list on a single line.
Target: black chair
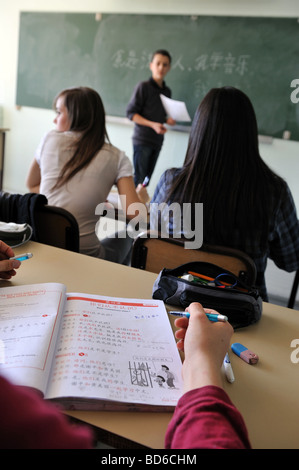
[(51, 225), (152, 252), (56, 226)]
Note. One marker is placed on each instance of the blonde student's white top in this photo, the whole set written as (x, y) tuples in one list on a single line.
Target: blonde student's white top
[(88, 188)]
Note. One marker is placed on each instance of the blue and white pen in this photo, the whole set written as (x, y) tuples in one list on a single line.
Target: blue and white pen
[(229, 374), (22, 257), (211, 316)]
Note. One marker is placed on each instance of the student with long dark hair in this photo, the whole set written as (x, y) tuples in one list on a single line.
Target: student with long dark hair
[(76, 166), (245, 204)]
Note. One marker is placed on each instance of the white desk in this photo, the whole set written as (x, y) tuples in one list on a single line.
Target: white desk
[(266, 393)]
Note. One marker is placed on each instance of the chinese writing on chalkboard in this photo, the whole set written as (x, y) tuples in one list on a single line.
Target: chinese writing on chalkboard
[(215, 61)]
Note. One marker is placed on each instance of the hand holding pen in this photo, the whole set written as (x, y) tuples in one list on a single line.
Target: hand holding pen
[(210, 313), (145, 182), (205, 344), (142, 191), (7, 266)]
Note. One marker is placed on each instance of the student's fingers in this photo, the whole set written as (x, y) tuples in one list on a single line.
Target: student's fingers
[(9, 266), (198, 318), (211, 310), (5, 251), (180, 345), (159, 128), (180, 334), (204, 335), (7, 275), (142, 193), (195, 308), (181, 322), (198, 326)]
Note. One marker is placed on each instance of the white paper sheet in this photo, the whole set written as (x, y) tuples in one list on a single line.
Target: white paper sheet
[(175, 109)]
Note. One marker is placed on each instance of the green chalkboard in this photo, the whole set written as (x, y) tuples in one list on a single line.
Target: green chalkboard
[(111, 53)]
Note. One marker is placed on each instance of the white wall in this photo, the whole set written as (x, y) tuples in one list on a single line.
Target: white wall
[(27, 125)]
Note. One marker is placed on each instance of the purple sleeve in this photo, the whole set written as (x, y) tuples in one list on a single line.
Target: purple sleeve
[(205, 418), (29, 422)]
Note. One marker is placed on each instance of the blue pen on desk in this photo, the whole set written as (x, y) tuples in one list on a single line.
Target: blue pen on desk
[(22, 257), (211, 316)]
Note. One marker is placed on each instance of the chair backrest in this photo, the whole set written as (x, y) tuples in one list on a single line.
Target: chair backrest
[(56, 226), (152, 253)]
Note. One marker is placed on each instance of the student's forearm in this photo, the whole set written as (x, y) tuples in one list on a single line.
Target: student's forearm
[(138, 119), (33, 189), (156, 126), (195, 377), (132, 203), (33, 179)]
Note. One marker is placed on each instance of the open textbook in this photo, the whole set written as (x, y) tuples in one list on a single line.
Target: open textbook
[(89, 352)]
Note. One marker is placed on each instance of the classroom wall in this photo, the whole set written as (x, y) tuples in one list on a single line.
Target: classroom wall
[(27, 125)]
